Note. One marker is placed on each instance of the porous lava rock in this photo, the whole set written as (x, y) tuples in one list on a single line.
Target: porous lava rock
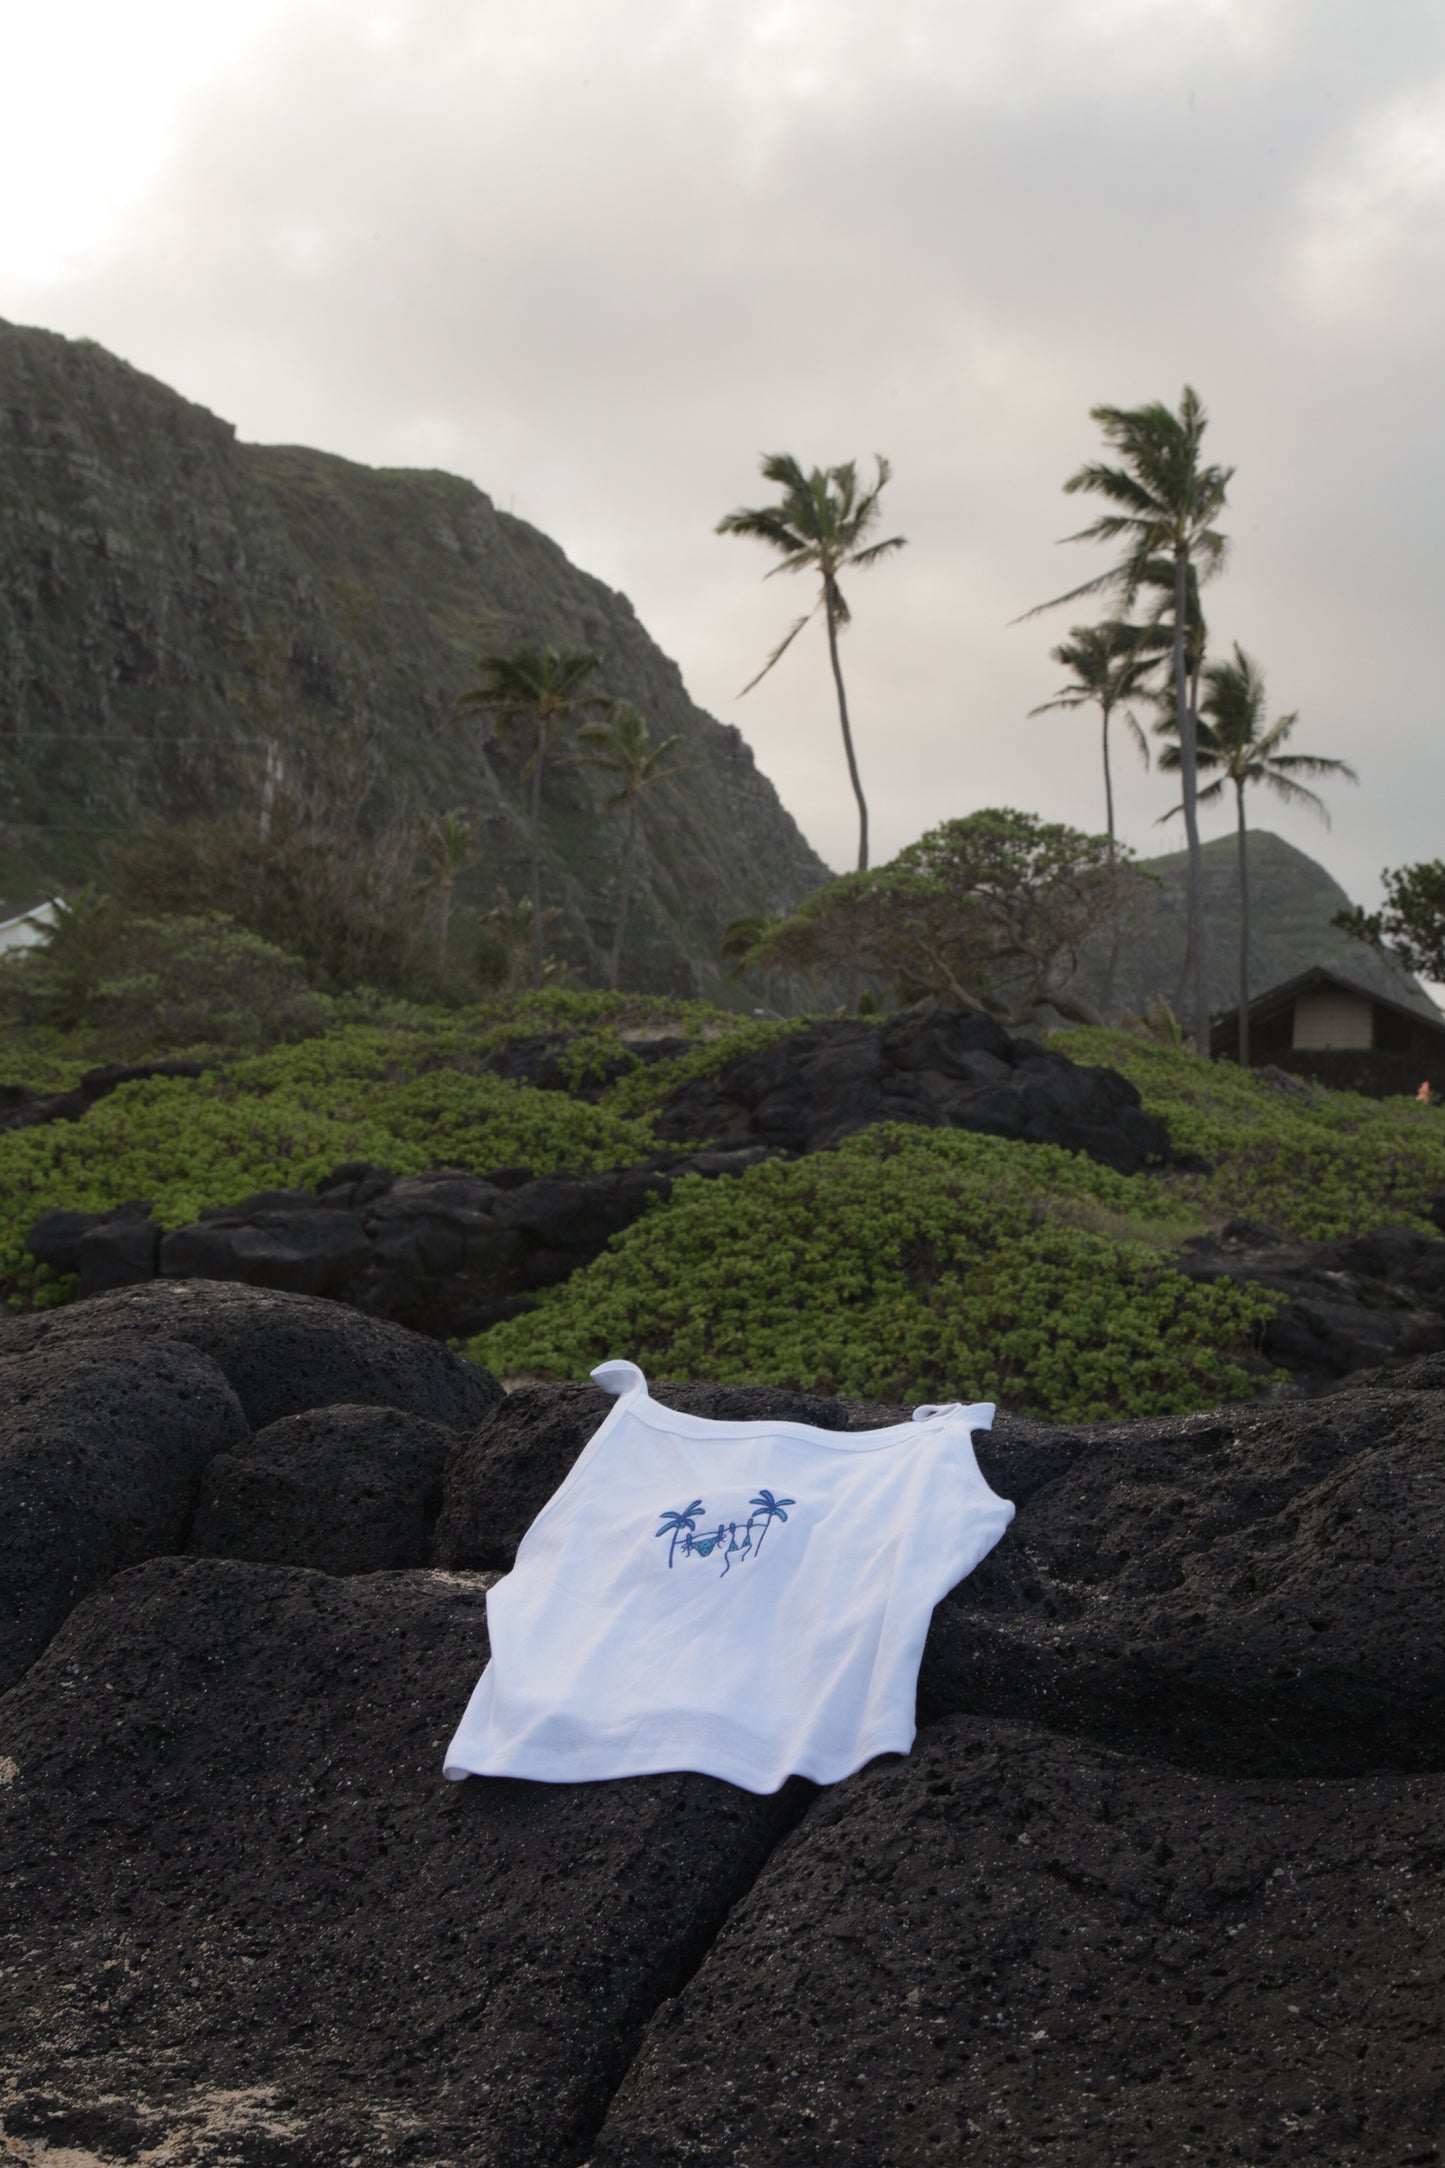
[(283, 1354), (445, 1253), (1255, 1590), (499, 1479), (345, 1490), (100, 1463), (928, 1065), (1359, 1304), (1013, 1947), (244, 1919)]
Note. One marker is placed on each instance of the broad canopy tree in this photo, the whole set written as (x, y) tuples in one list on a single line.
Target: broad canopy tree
[(1411, 925), (989, 913), (821, 525)]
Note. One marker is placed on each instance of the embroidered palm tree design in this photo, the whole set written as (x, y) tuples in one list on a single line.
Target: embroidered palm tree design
[(674, 1523), (770, 1508), (682, 1528)]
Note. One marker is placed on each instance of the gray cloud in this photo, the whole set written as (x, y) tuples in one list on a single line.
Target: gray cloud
[(599, 257)]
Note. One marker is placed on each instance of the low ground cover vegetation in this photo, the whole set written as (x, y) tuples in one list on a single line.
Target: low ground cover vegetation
[(909, 1263)]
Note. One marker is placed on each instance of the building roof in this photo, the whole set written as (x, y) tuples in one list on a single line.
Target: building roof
[(1410, 1001)]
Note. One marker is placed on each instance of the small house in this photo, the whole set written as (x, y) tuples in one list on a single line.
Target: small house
[(1342, 1032)]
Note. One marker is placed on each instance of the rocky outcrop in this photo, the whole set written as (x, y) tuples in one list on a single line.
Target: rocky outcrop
[(143, 555), (346, 1490), (1353, 1305), (1011, 1948), (1159, 1881), (935, 1067), (281, 1354), (101, 1457), (446, 1253)]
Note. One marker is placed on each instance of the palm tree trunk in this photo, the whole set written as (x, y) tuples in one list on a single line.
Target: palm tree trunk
[(615, 968), (537, 856), (1189, 778), (1243, 933), (444, 901), (843, 719), (1108, 781)]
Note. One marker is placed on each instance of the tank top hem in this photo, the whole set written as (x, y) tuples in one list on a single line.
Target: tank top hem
[(680, 1759)]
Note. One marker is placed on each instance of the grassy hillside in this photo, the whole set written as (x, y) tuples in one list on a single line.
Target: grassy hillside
[(908, 1264)]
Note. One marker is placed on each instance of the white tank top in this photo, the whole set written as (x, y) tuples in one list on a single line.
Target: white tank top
[(745, 1599)]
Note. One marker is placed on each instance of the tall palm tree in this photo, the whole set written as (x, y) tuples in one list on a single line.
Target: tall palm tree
[(621, 747), (447, 846), (539, 688), (1110, 663), (1234, 740), (819, 526), (1167, 505)]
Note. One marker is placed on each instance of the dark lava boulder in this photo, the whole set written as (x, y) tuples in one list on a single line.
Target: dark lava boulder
[(1013, 1947), (282, 1353), (1254, 1591), (346, 1490), (932, 1066), (101, 1456), (1365, 1303), (499, 1479), (249, 1921)]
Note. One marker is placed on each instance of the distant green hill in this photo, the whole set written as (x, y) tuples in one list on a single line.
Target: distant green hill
[(1292, 900), (143, 554)]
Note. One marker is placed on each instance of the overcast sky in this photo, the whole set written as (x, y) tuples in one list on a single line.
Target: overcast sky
[(600, 255)]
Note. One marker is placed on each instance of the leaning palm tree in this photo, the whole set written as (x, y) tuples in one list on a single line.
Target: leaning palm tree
[(621, 748), (819, 526), (448, 849), (1111, 663), (1167, 504), (540, 688), (1234, 741)]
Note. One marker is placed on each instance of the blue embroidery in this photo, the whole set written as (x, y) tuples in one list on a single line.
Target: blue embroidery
[(766, 1509)]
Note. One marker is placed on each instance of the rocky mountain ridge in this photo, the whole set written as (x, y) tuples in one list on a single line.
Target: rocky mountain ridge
[(166, 593)]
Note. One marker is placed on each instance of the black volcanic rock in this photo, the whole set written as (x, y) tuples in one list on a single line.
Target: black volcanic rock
[(1254, 1591), (1013, 1947), (1356, 1304), (345, 1490), (253, 1923), (283, 1354), (101, 1456), (931, 1066)]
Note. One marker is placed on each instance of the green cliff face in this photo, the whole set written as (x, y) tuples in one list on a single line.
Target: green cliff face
[(170, 598)]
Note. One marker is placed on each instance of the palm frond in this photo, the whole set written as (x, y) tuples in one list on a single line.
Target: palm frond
[(780, 650)]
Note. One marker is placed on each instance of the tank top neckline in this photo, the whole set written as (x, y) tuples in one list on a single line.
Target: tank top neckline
[(627, 1382)]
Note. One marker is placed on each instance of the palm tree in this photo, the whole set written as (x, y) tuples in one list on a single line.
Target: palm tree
[(1110, 664), (1233, 739), (819, 526), (674, 1523), (620, 746), (1167, 506), (771, 1509), (446, 842), (540, 687)]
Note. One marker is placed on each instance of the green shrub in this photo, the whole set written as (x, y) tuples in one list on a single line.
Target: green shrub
[(1316, 1166), (907, 1265), (284, 1120), (140, 986)]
